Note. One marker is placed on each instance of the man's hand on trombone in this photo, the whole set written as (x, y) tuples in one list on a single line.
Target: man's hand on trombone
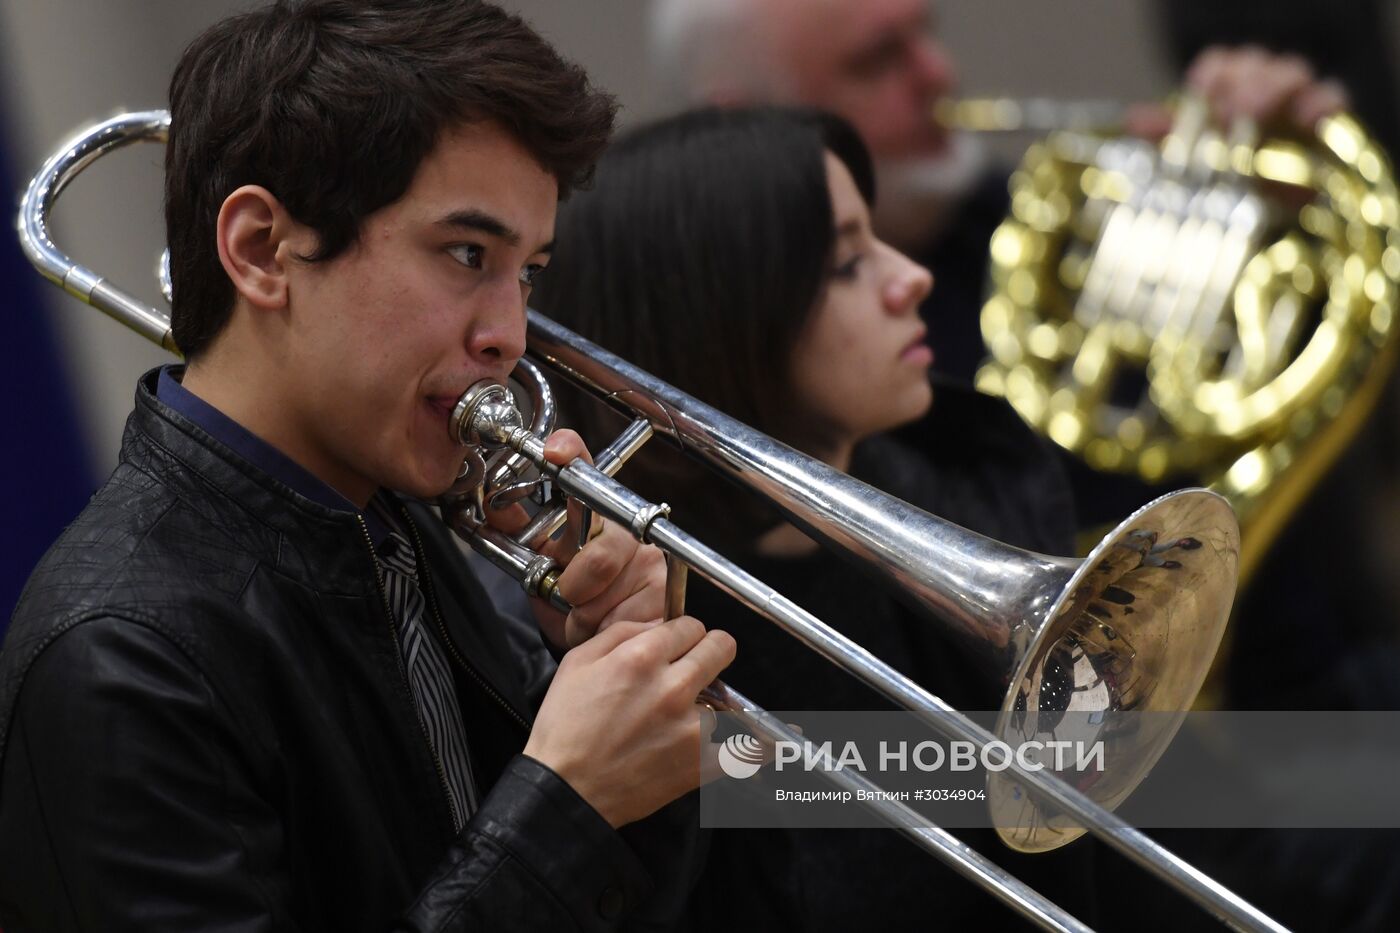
[(620, 722), (612, 578)]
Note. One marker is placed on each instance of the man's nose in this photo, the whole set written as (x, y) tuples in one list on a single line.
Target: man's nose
[(933, 66), (497, 335)]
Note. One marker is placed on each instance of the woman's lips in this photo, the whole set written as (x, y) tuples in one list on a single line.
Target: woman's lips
[(918, 351)]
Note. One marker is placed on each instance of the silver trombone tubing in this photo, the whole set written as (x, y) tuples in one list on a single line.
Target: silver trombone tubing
[(61, 168), (599, 492), (865, 519), (153, 324), (517, 561)]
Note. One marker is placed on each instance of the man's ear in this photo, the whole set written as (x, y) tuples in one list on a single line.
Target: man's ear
[(252, 228)]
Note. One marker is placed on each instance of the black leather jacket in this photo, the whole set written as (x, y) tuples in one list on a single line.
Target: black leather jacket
[(205, 723)]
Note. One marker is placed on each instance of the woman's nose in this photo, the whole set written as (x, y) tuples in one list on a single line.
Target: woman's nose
[(908, 285)]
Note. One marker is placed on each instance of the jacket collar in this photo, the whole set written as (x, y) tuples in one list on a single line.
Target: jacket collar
[(324, 547)]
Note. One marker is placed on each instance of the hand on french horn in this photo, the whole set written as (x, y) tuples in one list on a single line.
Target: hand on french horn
[(1251, 83), (611, 578)]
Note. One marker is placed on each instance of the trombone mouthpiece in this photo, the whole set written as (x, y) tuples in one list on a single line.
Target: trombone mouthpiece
[(486, 416)]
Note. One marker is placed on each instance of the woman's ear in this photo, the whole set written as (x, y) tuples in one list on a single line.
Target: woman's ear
[(251, 228)]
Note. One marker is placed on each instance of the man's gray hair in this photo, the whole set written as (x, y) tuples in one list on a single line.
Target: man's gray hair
[(704, 50)]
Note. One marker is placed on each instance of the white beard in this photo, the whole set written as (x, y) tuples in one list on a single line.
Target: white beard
[(917, 196)]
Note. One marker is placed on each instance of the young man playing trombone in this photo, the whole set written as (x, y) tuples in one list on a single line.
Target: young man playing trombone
[(252, 686)]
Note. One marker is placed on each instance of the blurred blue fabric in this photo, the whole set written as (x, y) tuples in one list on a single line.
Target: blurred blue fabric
[(46, 469)]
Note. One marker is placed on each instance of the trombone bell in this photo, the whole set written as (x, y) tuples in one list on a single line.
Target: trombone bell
[(1134, 627)]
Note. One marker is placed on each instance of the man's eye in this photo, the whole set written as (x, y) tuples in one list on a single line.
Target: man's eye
[(531, 273), (468, 255), (877, 60)]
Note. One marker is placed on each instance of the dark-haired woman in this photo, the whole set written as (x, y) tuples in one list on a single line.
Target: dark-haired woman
[(732, 254)]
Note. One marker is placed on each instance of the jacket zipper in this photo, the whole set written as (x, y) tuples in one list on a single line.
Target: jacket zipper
[(403, 678), (446, 636)]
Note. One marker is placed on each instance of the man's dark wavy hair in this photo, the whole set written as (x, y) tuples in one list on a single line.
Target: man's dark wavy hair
[(331, 105)]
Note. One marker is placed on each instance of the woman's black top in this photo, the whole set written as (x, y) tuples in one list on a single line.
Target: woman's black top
[(973, 462)]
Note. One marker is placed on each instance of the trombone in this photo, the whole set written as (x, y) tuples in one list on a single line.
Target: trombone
[(1045, 625)]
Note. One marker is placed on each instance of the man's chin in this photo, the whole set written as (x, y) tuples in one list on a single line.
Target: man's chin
[(918, 193), (427, 483)]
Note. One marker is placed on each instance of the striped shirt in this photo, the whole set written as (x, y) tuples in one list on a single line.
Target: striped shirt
[(429, 676)]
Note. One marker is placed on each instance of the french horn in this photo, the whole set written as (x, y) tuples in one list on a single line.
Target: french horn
[(1217, 308)]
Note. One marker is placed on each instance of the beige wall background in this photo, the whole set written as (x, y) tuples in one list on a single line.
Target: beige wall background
[(64, 63)]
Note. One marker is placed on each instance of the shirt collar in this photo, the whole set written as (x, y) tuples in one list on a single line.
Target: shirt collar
[(260, 453)]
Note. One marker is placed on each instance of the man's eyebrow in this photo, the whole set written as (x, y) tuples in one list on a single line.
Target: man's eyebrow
[(481, 222)]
